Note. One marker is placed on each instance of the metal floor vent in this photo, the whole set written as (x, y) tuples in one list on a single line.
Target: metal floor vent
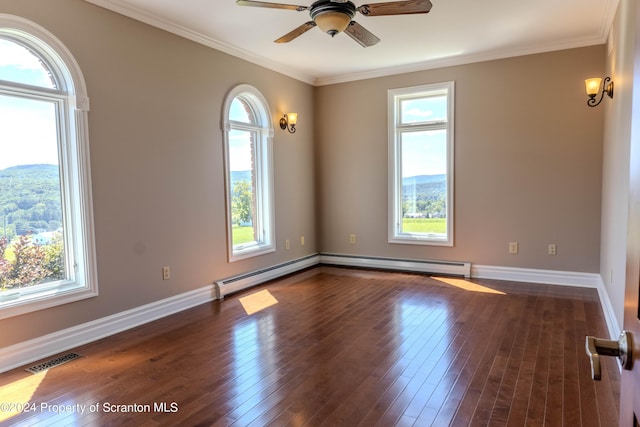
[(52, 363)]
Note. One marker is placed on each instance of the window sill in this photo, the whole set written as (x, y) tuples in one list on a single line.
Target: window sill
[(412, 239), (24, 301), (250, 251)]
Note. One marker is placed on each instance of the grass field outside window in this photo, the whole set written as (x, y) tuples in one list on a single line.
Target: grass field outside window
[(242, 235), (424, 225)]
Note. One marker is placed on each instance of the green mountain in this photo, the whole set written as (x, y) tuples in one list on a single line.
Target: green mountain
[(425, 195), (29, 200), (238, 176), (425, 179)]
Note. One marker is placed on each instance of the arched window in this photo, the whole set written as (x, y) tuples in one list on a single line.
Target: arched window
[(47, 254), (248, 136)]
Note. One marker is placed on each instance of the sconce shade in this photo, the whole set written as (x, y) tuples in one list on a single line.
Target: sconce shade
[(333, 23), (593, 85), (292, 118), (593, 88)]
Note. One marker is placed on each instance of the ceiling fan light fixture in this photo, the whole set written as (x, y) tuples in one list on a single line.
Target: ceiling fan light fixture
[(336, 16), (332, 17), (333, 23)]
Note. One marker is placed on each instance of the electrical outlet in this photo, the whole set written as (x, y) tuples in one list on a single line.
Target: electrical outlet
[(513, 247), (166, 273), (301, 240), (551, 249), (352, 239), (287, 244)]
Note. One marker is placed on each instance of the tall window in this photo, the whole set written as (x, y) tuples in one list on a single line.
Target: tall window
[(421, 164), (47, 254), (248, 161)]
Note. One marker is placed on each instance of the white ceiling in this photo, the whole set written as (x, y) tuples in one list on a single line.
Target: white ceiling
[(454, 32)]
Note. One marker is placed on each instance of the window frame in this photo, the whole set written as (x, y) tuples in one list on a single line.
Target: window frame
[(74, 163), (396, 128), (263, 164)]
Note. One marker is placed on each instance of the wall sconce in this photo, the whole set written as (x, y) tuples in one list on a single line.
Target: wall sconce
[(288, 122), (593, 87)]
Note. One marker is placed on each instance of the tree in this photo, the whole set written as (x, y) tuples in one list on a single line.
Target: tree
[(5, 265), (28, 267), (54, 258), (241, 203), (30, 263)]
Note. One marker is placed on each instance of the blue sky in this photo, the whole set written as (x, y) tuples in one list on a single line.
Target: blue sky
[(27, 127), (424, 152), (27, 132), (239, 143)]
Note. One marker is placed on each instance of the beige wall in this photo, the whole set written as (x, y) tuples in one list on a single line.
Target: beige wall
[(617, 135), (527, 163), (156, 159)]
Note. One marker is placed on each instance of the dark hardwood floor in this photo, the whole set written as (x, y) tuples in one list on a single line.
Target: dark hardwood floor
[(341, 347)]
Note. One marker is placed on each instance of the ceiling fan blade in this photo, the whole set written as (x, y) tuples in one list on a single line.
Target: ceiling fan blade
[(360, 34), (296, 33), (270, 5), (396, 8)]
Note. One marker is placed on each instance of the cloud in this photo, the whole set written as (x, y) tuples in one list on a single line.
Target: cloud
[(14, 55), (417, 112)]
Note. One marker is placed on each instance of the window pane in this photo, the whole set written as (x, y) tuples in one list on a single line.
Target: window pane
[(240, 111), (425, 109), (31, 233), (242, 188), (19, 65), (424, 182)]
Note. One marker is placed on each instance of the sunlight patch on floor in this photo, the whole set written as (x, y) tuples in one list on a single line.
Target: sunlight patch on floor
[(467, 285), (257, 301), (17, 395)]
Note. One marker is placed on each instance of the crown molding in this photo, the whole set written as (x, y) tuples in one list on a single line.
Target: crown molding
[(127, 10), (122, 8), (458, 60)]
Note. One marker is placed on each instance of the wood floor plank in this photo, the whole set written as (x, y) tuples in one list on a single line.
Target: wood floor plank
[(457, 409), (526, 371), (504, 398), (346, 347)]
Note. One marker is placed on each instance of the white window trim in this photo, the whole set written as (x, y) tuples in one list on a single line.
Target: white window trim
[(395, 159), (264, 129), (75, 173)]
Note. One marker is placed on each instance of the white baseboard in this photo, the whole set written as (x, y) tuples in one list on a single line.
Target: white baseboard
[(609, 314), (38, 348), (555, 277), (530, 275), (57, 342), (527, 275)]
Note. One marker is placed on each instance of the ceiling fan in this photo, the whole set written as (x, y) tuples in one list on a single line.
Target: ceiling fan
[(336, 16)]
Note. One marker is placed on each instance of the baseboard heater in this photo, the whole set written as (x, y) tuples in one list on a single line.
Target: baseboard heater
[(237, 283), (244, 281), (449, 268)]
